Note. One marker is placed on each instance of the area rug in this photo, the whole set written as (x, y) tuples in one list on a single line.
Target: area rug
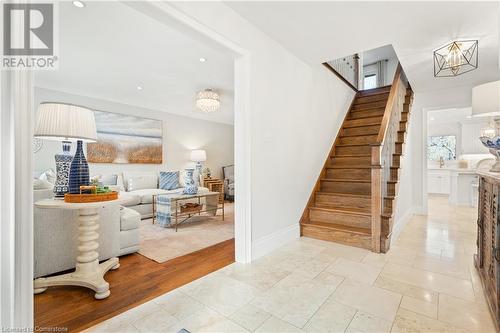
[(162, 244)]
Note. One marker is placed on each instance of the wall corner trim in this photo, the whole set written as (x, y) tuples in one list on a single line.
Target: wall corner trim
[(268, 243)]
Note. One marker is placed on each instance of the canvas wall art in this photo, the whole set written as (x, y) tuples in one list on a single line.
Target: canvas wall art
[(126, 139)]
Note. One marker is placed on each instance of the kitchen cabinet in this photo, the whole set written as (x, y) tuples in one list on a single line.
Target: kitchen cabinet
[(461, 187), (438, 181)]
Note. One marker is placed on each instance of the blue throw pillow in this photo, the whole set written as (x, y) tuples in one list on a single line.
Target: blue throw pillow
[(169, 180)]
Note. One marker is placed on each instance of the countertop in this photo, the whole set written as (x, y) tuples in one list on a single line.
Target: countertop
[(494, 175), (459, 170)]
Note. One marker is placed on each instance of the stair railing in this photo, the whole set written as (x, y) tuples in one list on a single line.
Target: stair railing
[(382, 153), (347, 69)]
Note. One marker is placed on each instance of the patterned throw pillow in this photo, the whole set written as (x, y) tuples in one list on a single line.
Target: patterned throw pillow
[(169, 180)]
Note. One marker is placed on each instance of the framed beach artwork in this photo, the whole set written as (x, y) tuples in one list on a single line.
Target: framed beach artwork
[(124, 138)]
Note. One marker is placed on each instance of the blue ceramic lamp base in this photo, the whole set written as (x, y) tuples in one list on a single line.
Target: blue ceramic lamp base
[(79, 170), (63, 162)]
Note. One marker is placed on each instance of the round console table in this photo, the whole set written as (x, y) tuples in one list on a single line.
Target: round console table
[(88, 273)]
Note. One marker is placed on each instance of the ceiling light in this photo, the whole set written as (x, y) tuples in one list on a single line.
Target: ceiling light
[(432, 118), (78, 4), (455, 58), (208, 101), (203, 59), (139, 88)]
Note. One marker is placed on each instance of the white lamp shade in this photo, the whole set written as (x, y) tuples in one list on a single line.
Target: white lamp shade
[(486, 99), (59, 121), (198, 155)]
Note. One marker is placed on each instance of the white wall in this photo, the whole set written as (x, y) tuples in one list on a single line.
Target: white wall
[(296, 111), (413, 181), (180, 135)]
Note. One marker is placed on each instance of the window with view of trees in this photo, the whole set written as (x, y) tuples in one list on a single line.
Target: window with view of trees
[(442, 146)]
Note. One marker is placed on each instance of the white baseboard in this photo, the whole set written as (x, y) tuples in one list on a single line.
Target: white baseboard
[(267, 244), (401, 223)]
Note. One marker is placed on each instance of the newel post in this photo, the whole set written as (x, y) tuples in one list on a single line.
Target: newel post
[(376, 199)]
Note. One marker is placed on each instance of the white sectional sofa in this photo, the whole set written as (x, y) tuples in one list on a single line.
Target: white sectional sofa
[(139, 197), (56, 235), (55, 230)]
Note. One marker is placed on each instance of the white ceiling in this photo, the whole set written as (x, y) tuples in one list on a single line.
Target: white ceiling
[(107, 49), (321, 31)]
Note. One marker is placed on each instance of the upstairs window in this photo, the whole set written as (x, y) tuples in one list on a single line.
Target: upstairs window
[(370, 81)]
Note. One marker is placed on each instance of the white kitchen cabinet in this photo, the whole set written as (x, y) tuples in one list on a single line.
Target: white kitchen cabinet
[(462, 191), (438, 181)]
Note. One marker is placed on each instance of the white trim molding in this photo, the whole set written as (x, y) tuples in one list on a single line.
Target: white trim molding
[(16, 200), (168, 14), (269, 243), (401, 223)]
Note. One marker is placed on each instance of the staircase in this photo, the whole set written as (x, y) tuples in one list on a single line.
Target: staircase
[(354, 198)]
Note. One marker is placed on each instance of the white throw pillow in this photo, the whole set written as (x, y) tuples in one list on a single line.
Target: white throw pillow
[(40, 184), (49, 175), (140, 181)]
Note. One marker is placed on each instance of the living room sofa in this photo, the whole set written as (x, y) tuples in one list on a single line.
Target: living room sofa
[(56, 235), (137, 190)]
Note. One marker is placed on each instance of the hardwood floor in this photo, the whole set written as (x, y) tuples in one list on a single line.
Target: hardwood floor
[(138, 280)]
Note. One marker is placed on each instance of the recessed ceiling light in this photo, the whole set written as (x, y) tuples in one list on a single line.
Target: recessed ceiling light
[(203, 59), (432, 118), (78, 4), (139, 87)]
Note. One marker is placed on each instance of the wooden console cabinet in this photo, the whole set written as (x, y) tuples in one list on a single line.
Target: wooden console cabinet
[(487, 259)]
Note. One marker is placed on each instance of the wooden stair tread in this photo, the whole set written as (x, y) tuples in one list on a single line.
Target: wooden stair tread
[(351, 122), (352, 144), (350, 155), (340, 227), (375, 91), (348, 167), (369, 109), (345, 180), (345, 210), (363, 196), (375, 123)]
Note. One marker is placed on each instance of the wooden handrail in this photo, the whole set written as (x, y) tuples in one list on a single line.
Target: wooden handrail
[(327, 65), (390, 104)]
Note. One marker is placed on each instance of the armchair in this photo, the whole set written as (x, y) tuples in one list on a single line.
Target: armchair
[(228, 175)]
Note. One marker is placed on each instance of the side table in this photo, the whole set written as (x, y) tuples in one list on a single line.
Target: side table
[(88, 273)]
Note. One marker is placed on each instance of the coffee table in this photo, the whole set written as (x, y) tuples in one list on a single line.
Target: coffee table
[(211, 206)]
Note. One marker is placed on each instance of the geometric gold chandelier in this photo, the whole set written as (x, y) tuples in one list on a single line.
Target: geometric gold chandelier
[(456, 58)]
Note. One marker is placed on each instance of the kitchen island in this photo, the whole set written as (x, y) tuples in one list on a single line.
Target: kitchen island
[(487, 258)]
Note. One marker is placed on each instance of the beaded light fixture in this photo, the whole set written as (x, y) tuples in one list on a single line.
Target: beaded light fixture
[(208, 101), (456, 58)]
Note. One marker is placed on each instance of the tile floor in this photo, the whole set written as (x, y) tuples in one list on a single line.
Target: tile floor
[(426, 283)]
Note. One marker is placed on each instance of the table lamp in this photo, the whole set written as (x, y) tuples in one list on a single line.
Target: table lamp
[(66, 123), (486, 103), (198, 156)]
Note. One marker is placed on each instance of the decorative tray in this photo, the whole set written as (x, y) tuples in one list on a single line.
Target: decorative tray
[(191, 208), (82, 198)]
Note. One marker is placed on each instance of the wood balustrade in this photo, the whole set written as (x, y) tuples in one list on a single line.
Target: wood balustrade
[(382, 159)]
